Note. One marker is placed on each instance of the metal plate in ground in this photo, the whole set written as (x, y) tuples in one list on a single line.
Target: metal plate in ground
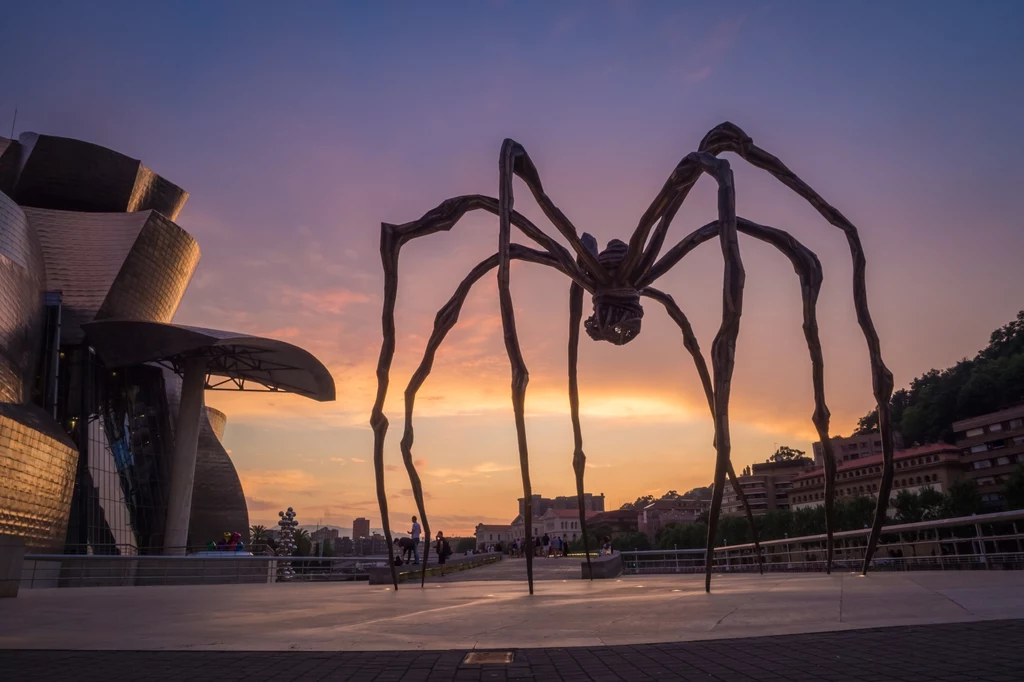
[(488, 657)]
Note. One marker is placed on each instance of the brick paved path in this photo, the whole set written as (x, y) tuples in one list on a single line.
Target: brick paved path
[(989, 651)]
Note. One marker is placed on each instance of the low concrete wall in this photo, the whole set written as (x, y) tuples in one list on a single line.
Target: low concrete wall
[(139, 571), (12, 556), (213, 571), (608, 566), (37, 574), (114, 572), (381, 575)]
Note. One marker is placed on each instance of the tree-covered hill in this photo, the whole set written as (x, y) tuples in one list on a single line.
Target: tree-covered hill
[(992, 380)]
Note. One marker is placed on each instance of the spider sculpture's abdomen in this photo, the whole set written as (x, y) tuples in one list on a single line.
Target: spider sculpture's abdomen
[(617, 312)]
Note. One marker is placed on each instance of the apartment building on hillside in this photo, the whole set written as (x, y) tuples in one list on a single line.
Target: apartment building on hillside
[(991, 446)]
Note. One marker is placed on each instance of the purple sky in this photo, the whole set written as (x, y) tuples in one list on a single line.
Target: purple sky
[(298, 130)]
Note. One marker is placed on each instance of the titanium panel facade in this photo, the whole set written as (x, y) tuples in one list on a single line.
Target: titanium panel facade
[(114, 265), (155, 273), (10, 160), (84, 253), (72, 175), (218, 503), (37, 474), (21, 303)]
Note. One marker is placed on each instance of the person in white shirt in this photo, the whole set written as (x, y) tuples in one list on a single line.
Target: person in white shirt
[(415, 533)]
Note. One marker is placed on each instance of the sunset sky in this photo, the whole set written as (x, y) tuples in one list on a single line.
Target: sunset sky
[(299, 129)]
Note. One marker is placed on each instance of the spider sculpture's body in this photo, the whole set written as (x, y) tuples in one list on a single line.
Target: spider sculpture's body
[(617, 278)]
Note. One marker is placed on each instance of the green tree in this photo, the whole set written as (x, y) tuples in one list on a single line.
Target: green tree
[(627, 542), (303, 543), (698, 493), (932, 502), (962, 499), (464, 545), (855, 513), (908, 507), (992, 380), (258, 539), (640, 502), (786, 454), (683, 536), (1015, 488)]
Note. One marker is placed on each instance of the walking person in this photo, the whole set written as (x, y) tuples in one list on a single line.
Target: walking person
[(565, 547), (546, 542), (443, 549), (414, 533)]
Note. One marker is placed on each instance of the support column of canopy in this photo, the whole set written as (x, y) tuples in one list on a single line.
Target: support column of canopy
[(186, 443)]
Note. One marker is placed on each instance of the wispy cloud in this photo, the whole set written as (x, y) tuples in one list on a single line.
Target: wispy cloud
[(324, 301)]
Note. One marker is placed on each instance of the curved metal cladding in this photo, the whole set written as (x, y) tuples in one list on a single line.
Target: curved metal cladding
[(218, 503), (10, 160), (37, 476), (83, 254), (22, 276), (126, 265), (72, 175), (153, 278)]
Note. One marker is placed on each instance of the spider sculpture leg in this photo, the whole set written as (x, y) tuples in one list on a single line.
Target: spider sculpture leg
[(723, 349), (514, 161), (444, 322), (730, 138), (393, 237), (691, 345), (808, 268), (579, 460), (510, 153)]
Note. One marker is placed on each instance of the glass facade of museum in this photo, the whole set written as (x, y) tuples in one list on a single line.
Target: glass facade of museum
[(120, 496)]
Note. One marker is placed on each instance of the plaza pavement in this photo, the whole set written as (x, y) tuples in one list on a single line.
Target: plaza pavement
[(496, 613), (988, 651)]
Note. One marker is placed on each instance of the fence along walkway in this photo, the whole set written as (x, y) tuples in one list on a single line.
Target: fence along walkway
[(982, 541)]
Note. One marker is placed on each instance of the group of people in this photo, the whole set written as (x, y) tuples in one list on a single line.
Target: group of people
[(544, 545), (410, 546)]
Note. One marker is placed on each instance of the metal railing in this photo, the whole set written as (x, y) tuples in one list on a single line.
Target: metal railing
[(983, 541), (98, 570)]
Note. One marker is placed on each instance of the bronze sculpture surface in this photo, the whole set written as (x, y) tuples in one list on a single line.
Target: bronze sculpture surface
[(617, 278)]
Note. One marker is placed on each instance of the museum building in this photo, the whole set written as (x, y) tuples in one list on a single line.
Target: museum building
[(106, 445)]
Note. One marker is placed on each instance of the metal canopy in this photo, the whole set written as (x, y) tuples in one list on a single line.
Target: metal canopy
[(234, 361)]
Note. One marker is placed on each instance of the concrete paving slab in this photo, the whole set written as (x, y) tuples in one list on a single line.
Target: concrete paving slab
[(496, 614)]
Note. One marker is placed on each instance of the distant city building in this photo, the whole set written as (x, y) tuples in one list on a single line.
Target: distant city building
[(360, 528), (324, 535), (540, 504), (658, 514), (492, 534), (618, 522), (345, 546), (375, 545), (553, 522), (934, 466), (766, 487), (854, 447), (991, 446)]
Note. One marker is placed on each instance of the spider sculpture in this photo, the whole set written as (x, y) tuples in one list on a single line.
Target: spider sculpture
[(617, 279)]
